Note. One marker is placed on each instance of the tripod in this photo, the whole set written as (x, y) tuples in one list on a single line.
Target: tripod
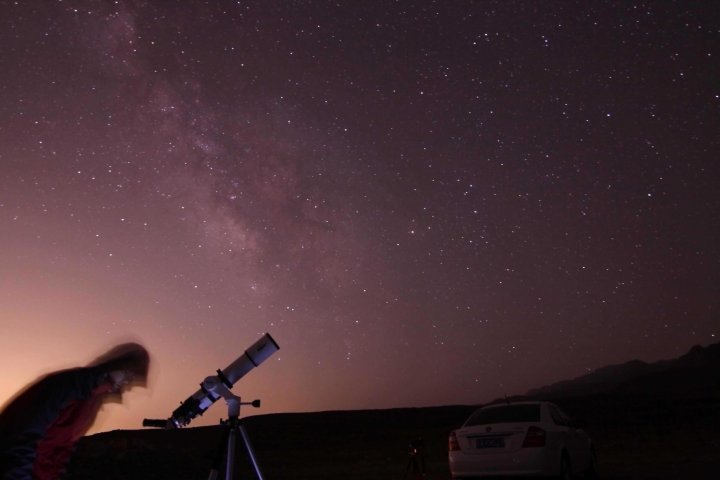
[(416, 461), (229, 442)]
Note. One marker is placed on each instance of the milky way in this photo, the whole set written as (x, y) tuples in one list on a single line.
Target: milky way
[(425, 203)]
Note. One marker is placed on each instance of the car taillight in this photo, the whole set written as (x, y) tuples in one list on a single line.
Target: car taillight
[(453, 445), (535, 437)]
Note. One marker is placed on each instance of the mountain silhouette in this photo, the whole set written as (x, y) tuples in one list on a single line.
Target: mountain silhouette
[(694, 374)]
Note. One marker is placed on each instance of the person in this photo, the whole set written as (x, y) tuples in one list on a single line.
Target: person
[(40, 427)]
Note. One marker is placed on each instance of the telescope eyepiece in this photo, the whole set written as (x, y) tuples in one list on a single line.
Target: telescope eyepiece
[(157, 423)]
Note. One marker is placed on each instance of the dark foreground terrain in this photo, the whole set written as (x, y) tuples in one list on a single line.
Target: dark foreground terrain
[(637, 436)]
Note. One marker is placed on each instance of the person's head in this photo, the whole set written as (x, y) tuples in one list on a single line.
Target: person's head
[(126, 365)]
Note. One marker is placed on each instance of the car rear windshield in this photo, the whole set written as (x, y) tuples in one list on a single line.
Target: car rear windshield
[(505, 414)]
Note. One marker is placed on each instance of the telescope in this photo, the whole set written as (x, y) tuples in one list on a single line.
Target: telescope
[(217, 386)]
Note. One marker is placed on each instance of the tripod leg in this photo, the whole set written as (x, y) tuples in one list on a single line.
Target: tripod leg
[(217, 460), (230, 460), (250, 451)]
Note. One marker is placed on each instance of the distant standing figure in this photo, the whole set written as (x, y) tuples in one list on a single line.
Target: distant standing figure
[(40, 427), (416, 462)]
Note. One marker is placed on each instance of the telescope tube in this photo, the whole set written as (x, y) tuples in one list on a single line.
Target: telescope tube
[(197, 403)]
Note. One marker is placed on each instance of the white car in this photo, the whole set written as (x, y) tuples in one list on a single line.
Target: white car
[(520, 439)]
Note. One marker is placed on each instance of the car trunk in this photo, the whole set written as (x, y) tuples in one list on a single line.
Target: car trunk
[(492, 439)]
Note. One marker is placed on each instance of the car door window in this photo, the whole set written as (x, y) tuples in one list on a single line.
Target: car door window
[(567, 419), (558, 416)]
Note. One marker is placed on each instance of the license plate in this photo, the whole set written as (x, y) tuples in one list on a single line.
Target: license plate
[(494, 442)]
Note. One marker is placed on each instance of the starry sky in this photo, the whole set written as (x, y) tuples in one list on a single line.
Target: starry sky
[(423, 202)]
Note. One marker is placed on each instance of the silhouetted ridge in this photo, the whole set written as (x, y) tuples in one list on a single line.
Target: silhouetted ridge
[(692, 374)]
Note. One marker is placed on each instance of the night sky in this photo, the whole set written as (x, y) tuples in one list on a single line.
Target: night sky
[(423, 202)]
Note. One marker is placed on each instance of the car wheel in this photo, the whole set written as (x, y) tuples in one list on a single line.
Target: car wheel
[(565, 469)]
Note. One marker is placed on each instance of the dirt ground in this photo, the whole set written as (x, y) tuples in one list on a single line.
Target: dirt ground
[(642, 439)]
